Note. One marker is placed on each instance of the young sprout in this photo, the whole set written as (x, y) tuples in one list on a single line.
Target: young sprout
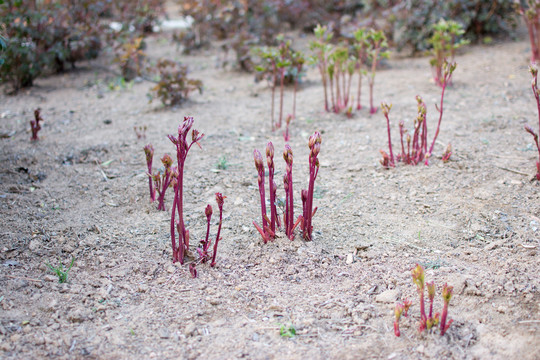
[(219, 199), (390, 161), (34, 124), (162, 181), (265, 229), (418, 279), (288, 216), (448, 70), (398, 311), (322, 48), (149, 152), (272, 188), (309, 212), (203, 252), (60, 271), (377, 42), (445, 41), (447, 295), (182, 148)]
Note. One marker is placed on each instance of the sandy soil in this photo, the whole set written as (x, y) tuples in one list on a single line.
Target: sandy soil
[(81, 191)]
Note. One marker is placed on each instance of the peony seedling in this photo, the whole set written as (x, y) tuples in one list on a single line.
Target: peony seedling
[(34, 124), (149, 153), (183, 146)]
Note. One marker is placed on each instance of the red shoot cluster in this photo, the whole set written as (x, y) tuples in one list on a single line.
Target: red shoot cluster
[(536, 92), (204, 254), (268, 226), (162, 180), (307, 195), (183, 146), (432, 320), (159, 181), (34, 124), (416, 150)]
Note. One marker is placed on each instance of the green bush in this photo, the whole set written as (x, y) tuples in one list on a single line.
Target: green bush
[(42, 37), (413, 19), (173, 86)]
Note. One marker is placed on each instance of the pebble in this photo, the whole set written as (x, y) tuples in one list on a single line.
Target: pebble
[(164, 333), (388, 296), (35, 245), (190, 329), (350, 259)]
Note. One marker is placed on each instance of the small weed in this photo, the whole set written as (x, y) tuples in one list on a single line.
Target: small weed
[(60, 271), (436, 264), (222, 163), (119, 83), (287, 331)]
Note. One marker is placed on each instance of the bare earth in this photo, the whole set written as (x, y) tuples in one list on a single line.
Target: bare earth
[(81, 191)]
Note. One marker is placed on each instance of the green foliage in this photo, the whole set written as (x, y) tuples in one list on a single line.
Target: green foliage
[(42, 37), (130, 58), (174, 85), (446, 39), (287, 331), (223, 163), (412, 19), (60, 271)]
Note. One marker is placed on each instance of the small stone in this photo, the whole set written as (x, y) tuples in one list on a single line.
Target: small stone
[(214, 301), (502, 309), (388, 296), (164, 333), (77, 316), (190, 329), (350, 259), (35, 245), (171, 269)]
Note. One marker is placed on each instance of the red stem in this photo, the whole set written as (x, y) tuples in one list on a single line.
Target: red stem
[(422, 306), (389, 139), (372, 110), (401, 133), (428, 154), (173, 237), (281, 89), (332, 94), (273, 99), (358, 104), (294, 103), (443, 318), (217, 237), (537, 96)]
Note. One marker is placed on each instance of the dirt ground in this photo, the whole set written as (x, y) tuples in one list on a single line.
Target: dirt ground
[(81, 192)]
